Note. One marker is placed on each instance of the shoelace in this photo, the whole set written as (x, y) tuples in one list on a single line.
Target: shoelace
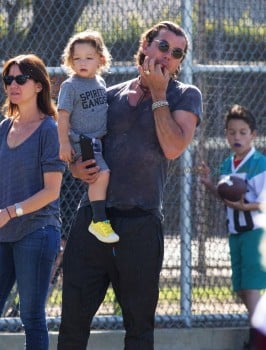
[(105, 227)]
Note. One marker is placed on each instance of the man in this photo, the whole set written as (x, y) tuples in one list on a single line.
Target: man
[(151, 119)]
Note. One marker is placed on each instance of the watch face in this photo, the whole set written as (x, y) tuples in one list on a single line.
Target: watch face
[(19, 210)]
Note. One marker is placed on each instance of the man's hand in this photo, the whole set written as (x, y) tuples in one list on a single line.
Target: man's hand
[(80, 171)]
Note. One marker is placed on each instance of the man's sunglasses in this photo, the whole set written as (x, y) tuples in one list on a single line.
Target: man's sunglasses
[(19, 79), (164, 46)]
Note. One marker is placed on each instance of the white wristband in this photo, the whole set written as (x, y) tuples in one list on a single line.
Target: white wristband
[(158, 104)]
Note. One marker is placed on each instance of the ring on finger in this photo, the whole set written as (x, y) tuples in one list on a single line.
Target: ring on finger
[(147, 72)]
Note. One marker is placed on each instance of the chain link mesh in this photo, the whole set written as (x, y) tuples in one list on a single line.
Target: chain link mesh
[(228, 64)]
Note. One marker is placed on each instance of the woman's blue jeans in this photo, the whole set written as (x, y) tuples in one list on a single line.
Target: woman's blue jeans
[(29, 262)]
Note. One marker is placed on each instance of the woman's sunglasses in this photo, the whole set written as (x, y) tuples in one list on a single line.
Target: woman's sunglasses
[(164, 46), (19, 79)]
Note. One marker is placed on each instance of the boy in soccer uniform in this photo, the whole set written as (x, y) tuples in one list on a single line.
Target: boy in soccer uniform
[(252, 168), (246, 218)]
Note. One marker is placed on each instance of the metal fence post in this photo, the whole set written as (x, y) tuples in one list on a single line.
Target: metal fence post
[(185, 194)]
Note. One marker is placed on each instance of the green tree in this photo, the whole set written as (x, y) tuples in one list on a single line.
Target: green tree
[(53, 22)]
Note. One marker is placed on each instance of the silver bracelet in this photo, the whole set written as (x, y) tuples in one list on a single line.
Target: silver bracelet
[(158, 104)]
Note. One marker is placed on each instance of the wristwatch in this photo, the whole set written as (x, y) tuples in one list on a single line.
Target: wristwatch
[(19, 210)]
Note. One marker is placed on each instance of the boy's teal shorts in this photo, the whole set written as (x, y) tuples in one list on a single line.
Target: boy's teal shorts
[(248, 270)]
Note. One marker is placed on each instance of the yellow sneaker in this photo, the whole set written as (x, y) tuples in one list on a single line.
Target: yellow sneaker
[(103, 231)]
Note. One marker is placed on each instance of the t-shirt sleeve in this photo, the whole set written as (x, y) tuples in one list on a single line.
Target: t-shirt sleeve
[(223, 168), (50, 160), (259, 180), (66, 97), (189, 100)]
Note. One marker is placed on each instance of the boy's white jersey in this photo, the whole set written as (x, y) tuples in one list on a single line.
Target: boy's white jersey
[(253, 170)]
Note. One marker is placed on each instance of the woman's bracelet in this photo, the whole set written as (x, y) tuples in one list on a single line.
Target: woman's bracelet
[(159, 104), (8, 212)]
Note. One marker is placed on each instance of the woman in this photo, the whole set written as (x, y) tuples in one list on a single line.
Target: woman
[(30, 181)]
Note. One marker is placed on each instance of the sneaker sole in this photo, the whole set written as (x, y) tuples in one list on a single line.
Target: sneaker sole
[(113, 238)]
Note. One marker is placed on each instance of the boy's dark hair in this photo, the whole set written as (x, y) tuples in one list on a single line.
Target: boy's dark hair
[(241, 113)]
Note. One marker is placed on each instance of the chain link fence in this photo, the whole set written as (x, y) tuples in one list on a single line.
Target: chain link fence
[(227, 62)]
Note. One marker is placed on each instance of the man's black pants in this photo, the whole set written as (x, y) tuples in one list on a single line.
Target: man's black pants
[(132, 266)]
